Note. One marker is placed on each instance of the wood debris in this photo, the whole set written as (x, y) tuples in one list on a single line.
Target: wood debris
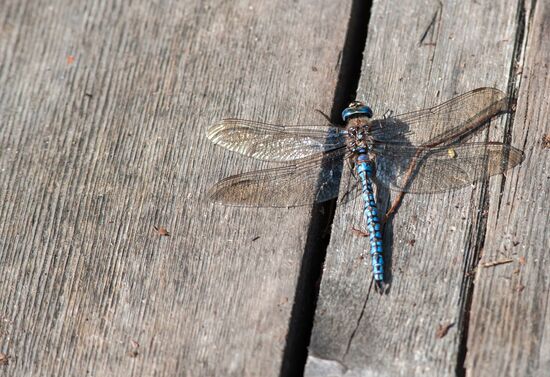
[(359, 232), (161, 231), (443, 329), (497, 262), (4, 359), (134, 346)]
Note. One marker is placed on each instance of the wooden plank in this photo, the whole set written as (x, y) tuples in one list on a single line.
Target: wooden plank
[(418, 53), (509, 332), (104, 107)]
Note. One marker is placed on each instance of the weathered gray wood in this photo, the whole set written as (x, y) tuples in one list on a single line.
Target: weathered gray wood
[(103, 108), (509, 331), (418, 54)]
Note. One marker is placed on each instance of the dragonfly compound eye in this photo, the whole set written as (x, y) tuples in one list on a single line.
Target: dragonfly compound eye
[(356, 109)]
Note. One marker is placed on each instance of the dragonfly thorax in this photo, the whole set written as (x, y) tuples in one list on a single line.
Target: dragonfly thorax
[(357, 115), (359, 140)]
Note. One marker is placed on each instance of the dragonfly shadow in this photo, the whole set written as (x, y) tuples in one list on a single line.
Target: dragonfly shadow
[(429, 151), (383, 197), (391, 146)]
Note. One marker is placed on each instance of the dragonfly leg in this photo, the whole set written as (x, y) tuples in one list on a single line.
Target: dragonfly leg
[(351, 165), (388, 114), (324, 115), (347, 194)]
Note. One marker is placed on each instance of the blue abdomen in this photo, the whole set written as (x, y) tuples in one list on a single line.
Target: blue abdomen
[(365, 171)]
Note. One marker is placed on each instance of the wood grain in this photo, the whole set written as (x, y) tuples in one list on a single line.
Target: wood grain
[(418, 53), (103, 109), (509, 330)]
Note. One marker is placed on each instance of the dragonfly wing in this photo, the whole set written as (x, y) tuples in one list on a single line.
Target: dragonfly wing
[(304, 182), (440, 124), (439, 169), (270, 142)]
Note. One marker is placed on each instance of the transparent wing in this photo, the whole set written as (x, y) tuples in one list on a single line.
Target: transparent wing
[(307, 181), (455, 118), (430, 170), (271, 142)]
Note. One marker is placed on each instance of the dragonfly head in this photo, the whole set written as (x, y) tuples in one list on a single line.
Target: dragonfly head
[(356, 108)]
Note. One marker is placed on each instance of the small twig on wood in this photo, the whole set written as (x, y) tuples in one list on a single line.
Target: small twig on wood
[(359, 232), (497, 262)]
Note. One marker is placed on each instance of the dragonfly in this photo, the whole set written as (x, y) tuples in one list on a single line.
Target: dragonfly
[(424, 151)]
